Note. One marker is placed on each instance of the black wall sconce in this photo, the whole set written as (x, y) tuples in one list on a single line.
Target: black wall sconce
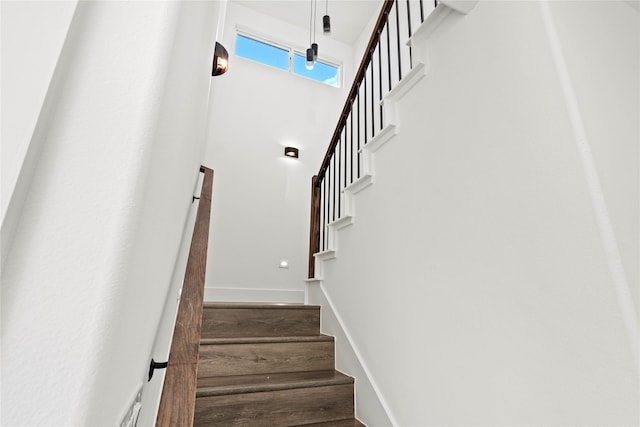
[(220, 60), (291, 152)]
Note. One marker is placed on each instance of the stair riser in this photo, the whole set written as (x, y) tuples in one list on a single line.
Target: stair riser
[(264, 358), (283, 407), (259, 322)]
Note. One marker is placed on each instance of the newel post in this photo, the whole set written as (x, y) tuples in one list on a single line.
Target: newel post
[(314, 227)]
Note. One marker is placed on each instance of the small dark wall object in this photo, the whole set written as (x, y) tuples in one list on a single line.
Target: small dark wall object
[(220, 60), (156, 365)]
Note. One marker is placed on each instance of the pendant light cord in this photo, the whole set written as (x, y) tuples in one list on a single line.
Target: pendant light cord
[(310, 19), (315, 8)]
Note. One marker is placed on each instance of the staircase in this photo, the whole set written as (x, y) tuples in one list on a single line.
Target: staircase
[(268, 365)]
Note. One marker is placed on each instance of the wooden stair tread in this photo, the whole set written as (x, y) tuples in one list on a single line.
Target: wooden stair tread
[(268, 364), (222, 385), (351, 422), (264, 340), (255, 305)]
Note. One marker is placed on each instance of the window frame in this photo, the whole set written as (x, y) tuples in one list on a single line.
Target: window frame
[(293, 50)]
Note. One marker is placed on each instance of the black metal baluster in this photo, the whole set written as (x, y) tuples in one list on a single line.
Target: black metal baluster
[(373, 102), (358, 151), (339, 173), (398, 39), (344, 132), (380, 80), (328, 177), (347, 159), (341, 183), (327, 201), (388, 51), (323, 186), (409, 31), (364, 116), (351, 148), (334, 187)]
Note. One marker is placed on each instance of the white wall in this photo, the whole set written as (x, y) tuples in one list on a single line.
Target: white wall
[(609, 110), (478, 282), (86, 279), (33, 34), (261, 212)]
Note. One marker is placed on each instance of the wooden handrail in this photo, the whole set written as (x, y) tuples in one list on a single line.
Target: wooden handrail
[(343, 163), (359, 77), (177, 404), (316, 194)]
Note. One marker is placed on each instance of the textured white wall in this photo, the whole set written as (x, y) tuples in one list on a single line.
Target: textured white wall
[(476, 282), (607, 99), (261, 213), (88, 273), (33, 34)]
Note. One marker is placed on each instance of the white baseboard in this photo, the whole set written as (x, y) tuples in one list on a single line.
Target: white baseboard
[(371, 407), (230, 294)]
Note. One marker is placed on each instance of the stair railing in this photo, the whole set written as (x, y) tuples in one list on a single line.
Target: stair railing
[(178, 400), (387, 58)]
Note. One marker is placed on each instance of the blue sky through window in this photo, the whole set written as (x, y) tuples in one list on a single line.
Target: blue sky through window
[(277, 57), (321, 72), (262, 52)]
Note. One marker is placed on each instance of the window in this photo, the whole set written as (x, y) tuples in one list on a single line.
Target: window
[(262, 52), (322, 72), (286, 59)]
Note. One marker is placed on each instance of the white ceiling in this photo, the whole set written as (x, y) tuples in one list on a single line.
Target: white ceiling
[(348, 17)]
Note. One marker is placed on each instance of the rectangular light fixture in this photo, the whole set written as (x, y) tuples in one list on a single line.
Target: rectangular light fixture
[(291, 152)]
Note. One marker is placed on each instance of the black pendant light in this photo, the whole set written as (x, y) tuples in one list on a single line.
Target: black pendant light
[(326, 21), (311, 52), (309, 63), (314, 45)]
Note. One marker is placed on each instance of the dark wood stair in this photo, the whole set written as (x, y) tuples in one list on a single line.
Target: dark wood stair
[(268, 365)]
